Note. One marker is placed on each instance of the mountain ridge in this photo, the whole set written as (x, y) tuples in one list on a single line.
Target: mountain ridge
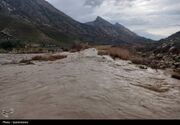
[(58, 26), (116, 30)]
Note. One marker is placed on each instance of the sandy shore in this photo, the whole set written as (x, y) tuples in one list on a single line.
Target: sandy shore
[(85, 85)]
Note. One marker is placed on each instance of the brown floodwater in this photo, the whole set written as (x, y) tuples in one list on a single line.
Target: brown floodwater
[(85, 86)]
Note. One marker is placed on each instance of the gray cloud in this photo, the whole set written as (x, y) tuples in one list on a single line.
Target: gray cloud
[(93, 3), (151, 18)]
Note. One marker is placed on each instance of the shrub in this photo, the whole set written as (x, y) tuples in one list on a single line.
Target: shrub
[(27, 62), (138, 61), (176, 75), (2, 51), (102, 52), (78, 46), (10, 44), (7, 45), (114, 52), (121, 53), (48, 57)]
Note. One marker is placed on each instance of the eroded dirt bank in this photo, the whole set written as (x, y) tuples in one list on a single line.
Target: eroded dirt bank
[(85, 85)]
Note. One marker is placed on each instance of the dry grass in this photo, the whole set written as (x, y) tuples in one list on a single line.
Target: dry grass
[(121, 53), (48, 57), (27, 62), (126, 54), (79, 47), (103, 47), (103, 52), (114, 52)]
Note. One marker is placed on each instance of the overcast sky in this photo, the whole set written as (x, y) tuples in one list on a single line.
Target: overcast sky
[(150, 18)]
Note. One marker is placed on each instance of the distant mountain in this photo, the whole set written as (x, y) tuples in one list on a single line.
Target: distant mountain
[(110, 29), (100, 22), (117, 32), (38, 21)]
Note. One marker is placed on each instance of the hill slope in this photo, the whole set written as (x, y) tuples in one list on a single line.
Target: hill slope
[(44, 23), (164, 53)]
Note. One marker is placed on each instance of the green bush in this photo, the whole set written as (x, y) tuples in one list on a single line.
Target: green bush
[(10, 44)]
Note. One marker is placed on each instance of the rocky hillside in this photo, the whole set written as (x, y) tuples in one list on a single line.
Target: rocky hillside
[(164, 53), (38, 21), (170, 45)]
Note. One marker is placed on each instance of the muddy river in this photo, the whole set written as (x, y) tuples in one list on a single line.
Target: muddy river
[(85, 86)]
